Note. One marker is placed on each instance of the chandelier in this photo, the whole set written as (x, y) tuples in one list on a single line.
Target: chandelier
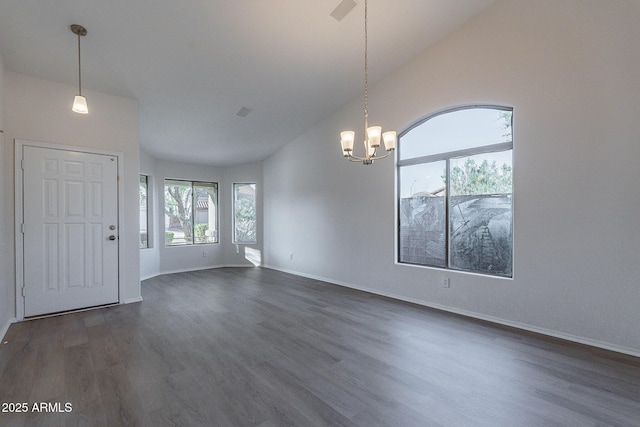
[(372, 134)]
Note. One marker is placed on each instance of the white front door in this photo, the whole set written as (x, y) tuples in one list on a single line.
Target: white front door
[(70, 212)]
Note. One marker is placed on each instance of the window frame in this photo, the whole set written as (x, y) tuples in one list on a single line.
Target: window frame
[(234, 239), (193, 184), (447, 157), (146, 213)]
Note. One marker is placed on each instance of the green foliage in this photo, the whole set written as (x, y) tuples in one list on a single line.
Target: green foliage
[(486, 178), (200, 232), (506, 117), (168, 237), (143, 194), (245, 220)]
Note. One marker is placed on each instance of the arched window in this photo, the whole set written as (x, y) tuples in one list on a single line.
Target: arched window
[(455, 204)]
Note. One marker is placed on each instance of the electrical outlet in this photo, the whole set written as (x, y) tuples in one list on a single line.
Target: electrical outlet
[(291, 257), (205, 253), (445, 282)]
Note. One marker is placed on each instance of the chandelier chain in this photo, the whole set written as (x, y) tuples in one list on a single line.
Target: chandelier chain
[(366, 70)]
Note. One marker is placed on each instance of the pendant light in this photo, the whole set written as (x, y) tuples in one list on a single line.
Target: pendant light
[(79, 101)]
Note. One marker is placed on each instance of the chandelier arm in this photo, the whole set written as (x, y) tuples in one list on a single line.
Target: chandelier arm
[(358, 159), (381, 157), (353, 158)]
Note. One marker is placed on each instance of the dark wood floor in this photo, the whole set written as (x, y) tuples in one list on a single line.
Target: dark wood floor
[(245, 347)]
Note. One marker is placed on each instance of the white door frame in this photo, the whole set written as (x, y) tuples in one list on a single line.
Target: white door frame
[(18, 202)]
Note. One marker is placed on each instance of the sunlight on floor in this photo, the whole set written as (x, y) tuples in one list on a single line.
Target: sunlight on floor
[(254, 256)]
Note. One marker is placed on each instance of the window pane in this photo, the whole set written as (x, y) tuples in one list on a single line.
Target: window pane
[(178, 212), (143, 213), (456, 130), (481, 216), (244, 213), (422, 214), (206, 212)]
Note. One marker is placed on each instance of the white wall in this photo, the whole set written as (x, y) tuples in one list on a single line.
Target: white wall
[(161, 259), (40, 110), (570, 70), (7, 302), (150, 257)]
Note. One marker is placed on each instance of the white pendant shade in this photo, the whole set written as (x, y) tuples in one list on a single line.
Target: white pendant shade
[(373, 133), (390, 139), (80, 105), (346, 140)]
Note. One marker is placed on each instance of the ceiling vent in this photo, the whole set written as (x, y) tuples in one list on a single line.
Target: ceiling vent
[(243, 112), (343, 9)]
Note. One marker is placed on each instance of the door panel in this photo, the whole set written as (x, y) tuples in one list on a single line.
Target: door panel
[(70, 203)]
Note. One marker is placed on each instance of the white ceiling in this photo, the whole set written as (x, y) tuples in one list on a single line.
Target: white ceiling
[(193, 64)]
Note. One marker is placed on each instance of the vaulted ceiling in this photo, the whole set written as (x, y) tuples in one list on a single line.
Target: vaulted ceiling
[(194, 64)]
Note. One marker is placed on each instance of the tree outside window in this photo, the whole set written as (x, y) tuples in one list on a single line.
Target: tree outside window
[(244, 213), (191, 212), (144, 213)]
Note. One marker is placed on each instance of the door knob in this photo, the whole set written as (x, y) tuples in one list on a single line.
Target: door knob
[(112, 237)]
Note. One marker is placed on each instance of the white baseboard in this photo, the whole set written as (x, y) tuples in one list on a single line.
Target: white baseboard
[(497, 320), (133, 300), (5, 327), (240, 266), (186, 270)]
